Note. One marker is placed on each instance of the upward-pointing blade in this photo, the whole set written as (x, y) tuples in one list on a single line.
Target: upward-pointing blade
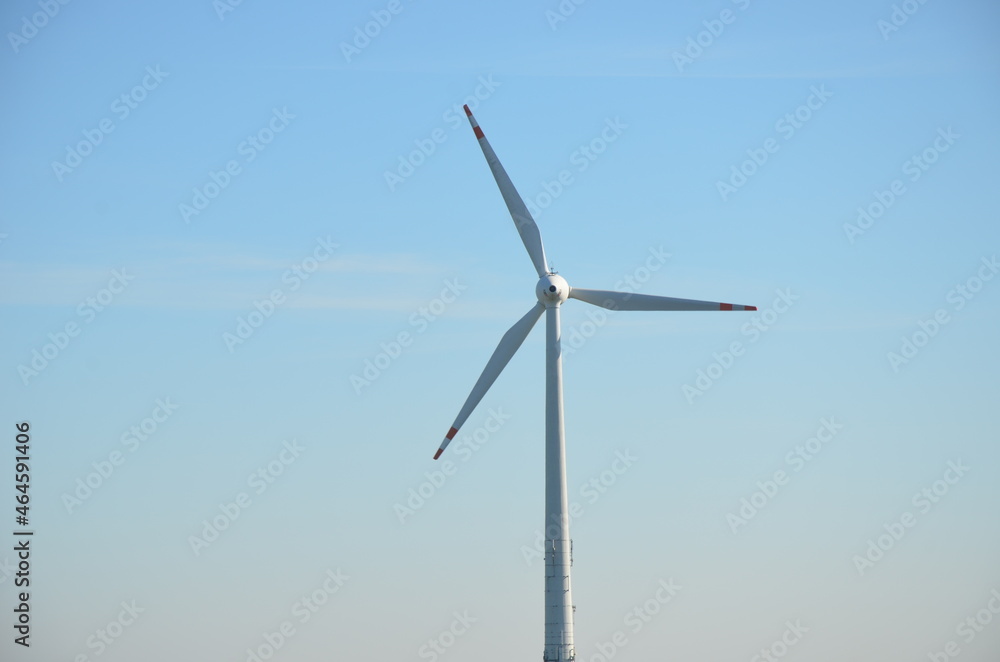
[(525, 225), (501, 357), (632, 301)]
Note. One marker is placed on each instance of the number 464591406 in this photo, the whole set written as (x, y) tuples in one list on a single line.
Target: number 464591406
[(22, 469)]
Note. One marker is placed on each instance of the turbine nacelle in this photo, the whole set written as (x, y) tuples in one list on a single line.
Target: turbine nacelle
[(552, 290)]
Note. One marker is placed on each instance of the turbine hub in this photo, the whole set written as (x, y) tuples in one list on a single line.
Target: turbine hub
[(552, 289)]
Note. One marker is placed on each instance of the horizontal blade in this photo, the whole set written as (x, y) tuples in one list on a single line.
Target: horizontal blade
[(631, 301), (525, 225), (509, 344)]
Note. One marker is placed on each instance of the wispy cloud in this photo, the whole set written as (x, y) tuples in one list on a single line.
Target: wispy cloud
[(202, 277)]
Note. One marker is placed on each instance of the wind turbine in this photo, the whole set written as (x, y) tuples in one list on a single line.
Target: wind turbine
[(552, 291)]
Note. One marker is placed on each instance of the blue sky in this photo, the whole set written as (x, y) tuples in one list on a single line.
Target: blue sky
[(347, 203)]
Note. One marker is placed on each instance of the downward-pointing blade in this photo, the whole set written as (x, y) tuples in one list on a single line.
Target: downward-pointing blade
[(509, 344), (631, 301), (525, 225)]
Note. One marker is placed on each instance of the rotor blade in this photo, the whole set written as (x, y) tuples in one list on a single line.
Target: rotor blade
[(631, 301), (509, 344), (519, 212)]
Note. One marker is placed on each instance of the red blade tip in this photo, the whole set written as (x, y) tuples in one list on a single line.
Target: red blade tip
[(751, 307), (467, 111), (438, 454)]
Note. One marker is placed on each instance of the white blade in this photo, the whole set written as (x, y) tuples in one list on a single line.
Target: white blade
[(519, 212), (509, 344), (630, 301)]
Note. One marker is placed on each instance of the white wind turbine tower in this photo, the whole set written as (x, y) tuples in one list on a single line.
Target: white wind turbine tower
[(552, 291)]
